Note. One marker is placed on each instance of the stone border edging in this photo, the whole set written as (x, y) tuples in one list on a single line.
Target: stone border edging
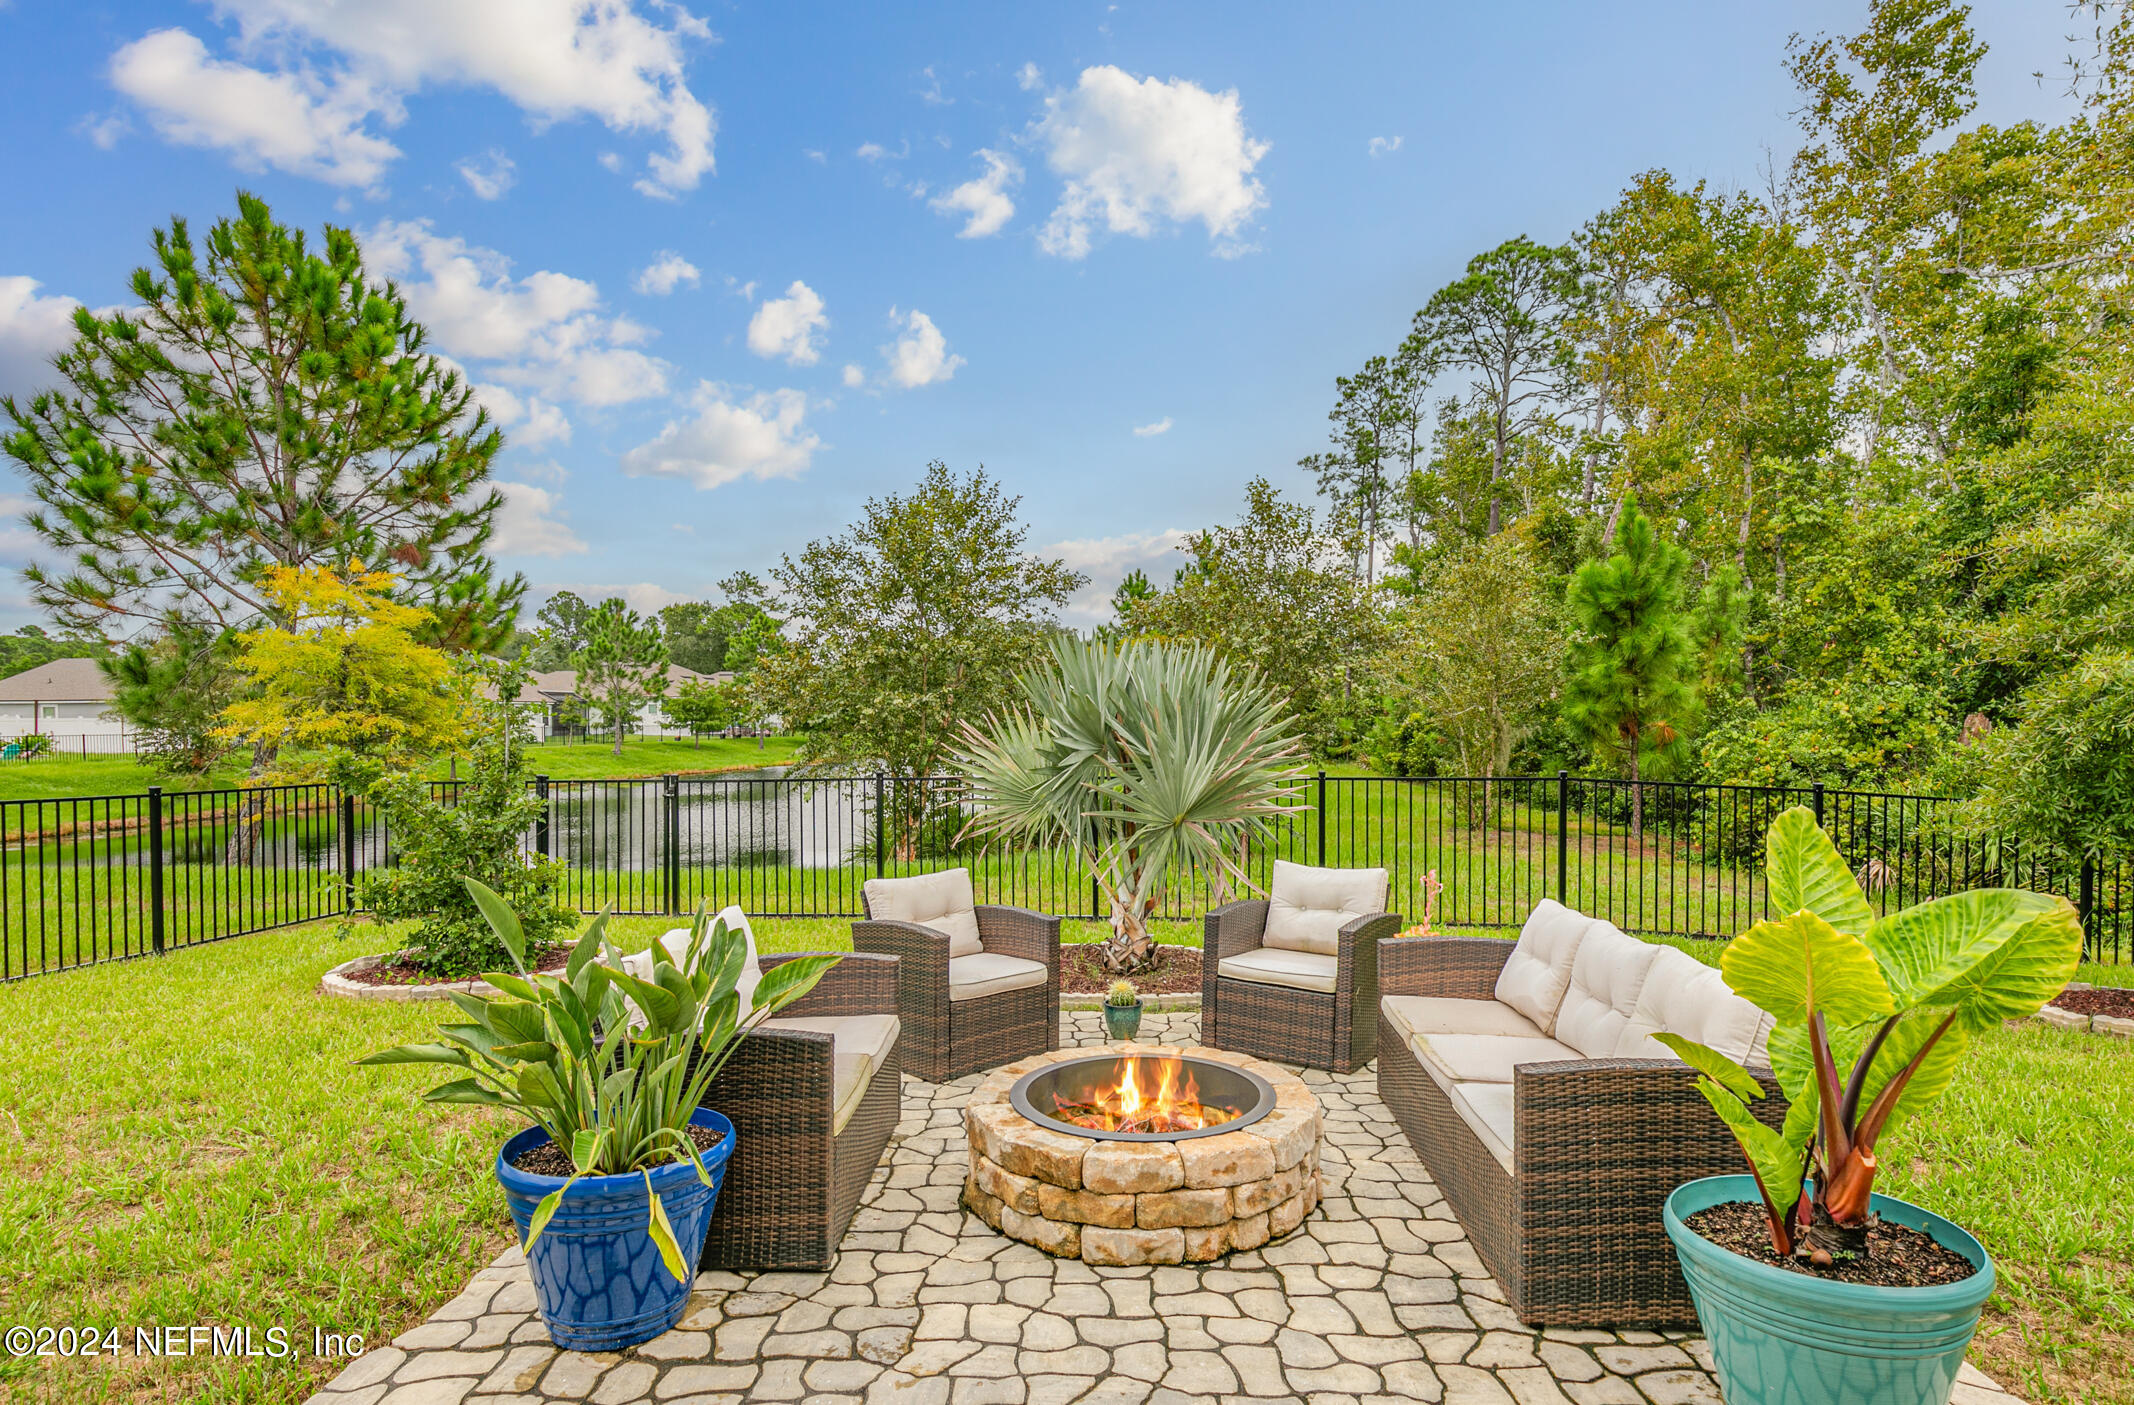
[(1149, 1003), (2118, 1026), (337, 982)]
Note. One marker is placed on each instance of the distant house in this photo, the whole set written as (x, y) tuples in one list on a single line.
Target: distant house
[(556, 693), (66, 698)]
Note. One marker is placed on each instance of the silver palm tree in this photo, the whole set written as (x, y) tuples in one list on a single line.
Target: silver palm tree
[(1153, 762)]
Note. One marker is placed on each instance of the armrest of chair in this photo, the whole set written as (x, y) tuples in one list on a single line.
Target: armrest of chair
[(859, 984), (1462, 967), (1232, 928), (1596, 1117), (777, 1078), (1357, 955), (922, 965), (1017, 931)]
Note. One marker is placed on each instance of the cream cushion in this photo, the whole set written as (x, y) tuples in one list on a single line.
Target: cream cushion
[(676, 940), (1486, 1108), (1485, 1058), (1538, 971), (1299, 970), (1608, 976), (1411, 1015), (1308, 907), (942, 901), (989, 973), (1686, 997), (859, 1046)]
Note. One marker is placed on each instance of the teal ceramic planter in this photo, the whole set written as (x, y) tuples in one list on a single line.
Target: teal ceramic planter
[(1783, 1338), (1122, 1022)]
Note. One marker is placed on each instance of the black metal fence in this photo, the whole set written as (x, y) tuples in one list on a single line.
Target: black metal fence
[(102, 878)]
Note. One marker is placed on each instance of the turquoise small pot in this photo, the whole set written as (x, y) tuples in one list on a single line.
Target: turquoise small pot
[(1782, 1338), (1122, 1022)]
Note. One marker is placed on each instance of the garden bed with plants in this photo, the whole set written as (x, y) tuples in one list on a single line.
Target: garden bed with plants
[(1174, 970)]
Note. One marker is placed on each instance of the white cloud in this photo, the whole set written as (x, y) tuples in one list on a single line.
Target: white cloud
[(1028, 78), (295, 122), (816, 156), (645, 597), (32, 330), (104, 132), (787, 327), (875, 151), (1139, 152), (530, 523), (346, 64), (1106, 561), (984, 198), (528, 421), (1384, 146), (854, 377), (731, 435), (921, 355), (545, 331), (666, 273), (490, 174), (1150, 431), (931, 94)]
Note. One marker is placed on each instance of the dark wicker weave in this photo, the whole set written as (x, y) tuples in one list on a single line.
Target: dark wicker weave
[(943, 1039), (1337, 1031), (1575, 1236), (792, 1186)]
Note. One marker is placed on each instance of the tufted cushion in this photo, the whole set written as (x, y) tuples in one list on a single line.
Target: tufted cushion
[(1308, 907), (676, 940), (1299, 970), (1607, 977), (942, 901), (1686, 997), (1538, 971)]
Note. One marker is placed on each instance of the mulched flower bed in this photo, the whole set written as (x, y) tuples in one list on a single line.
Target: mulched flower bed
[(2097, 1002), (1897, 1257), (1176, 971), (548, 1159), (405, 972)]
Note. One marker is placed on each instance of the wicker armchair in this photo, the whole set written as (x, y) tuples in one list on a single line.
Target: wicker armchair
[(1333, 1029), (953, 1027), (1572, 1233), (797, 1172)]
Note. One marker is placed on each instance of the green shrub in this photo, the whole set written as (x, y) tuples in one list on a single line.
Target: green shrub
[(1837, 734)]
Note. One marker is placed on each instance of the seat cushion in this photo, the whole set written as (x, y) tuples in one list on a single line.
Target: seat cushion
[(676, 940), (1411, 1015), (1299, 970), (1485, 1058), (943, 901), (1308, 907), (1486, 1108), (989, 973), (1538, 971), (859, 1045), (1607, 978), (1684, 996)]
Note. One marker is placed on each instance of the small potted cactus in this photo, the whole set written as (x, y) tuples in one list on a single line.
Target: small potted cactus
[(1122, 1011)]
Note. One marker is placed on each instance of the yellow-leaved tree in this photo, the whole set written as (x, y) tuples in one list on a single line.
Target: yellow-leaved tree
[(345, 691)]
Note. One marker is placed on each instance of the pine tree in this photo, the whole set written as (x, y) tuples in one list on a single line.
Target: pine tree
[(1632, 690)]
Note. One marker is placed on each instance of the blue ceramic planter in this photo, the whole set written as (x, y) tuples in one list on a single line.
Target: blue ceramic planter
[(1783, 1338), (596, 1273)]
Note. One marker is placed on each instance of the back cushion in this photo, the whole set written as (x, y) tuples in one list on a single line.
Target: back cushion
[(1607, 978), (942, 901), (1686, 997), (1538, 971), (677, 944), (1308, 907)]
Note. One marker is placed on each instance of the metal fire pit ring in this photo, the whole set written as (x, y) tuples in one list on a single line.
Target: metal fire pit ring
[(1219, 1083)]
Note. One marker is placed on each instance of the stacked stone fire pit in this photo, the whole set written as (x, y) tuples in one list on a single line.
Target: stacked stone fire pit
[(1124, 1197)]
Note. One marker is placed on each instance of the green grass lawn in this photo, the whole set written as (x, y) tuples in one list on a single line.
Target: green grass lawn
[(186, 1141)]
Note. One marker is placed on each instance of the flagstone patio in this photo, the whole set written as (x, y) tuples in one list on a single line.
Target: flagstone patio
[(1378, 1296)]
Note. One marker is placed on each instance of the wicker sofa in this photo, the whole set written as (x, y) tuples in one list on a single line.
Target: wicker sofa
[(1294, 976), (1525, 1077), (814, 1095), (977, 985)]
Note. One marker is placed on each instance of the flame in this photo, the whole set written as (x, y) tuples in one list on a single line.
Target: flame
[(1173, 1106)]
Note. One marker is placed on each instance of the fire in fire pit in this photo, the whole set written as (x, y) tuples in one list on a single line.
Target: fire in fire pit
[(1140, 1097)]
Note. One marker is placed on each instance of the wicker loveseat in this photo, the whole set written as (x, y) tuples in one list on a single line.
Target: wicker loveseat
[(1526, 1078), (813, 1095), (1294, 977), (977, 985)]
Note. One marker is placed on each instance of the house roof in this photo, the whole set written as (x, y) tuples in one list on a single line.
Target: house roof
[(61, 680)]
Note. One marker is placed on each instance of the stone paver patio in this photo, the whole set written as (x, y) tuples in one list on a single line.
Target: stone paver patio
[(1378, 1296)]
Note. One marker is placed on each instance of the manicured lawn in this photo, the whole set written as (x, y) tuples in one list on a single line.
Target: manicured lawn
[(185, 1141)]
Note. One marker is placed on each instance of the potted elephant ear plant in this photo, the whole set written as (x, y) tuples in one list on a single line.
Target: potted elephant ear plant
[(613, 1186), (1811, 1286)]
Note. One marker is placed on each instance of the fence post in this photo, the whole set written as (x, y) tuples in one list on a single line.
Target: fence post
[(541, 820), (2085, 906), (1322, 819), (1563, 837), (881, 824), (1818, 804), (155, 867), (671, 841), (347, 822), (1096, 896)]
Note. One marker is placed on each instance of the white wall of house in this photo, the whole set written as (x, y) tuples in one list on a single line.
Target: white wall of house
[(60, 719)]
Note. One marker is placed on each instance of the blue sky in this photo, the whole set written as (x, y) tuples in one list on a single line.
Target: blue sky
[(726, 272)]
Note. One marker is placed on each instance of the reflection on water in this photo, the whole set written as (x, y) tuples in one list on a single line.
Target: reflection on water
[(740, 819)]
